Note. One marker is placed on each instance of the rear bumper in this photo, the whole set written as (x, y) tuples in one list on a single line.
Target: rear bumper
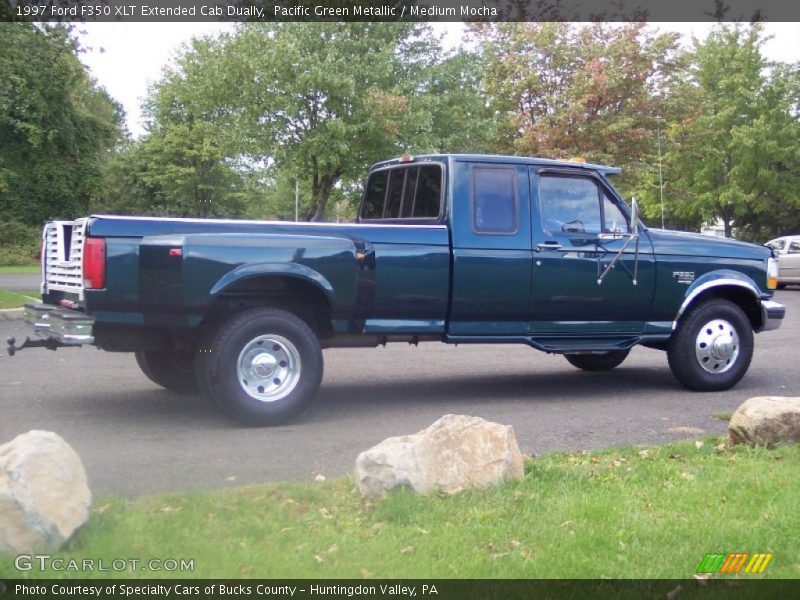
[(772, 314), (66, 327)]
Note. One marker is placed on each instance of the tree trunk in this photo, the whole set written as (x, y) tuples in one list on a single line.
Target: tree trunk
[(321, 188), (728, 228)]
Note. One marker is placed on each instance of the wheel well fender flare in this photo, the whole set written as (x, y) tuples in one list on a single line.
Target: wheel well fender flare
[(736, 286), (259, 270)]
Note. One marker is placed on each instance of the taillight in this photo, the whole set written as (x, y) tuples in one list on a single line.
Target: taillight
[(94, 263)]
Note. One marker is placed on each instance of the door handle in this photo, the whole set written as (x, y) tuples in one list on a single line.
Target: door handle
[(548, 246)]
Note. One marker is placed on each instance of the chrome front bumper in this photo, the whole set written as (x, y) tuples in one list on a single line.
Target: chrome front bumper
[(67, 327), (772, 314)]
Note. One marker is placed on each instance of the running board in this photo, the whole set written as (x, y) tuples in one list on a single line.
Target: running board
[(554, 345)]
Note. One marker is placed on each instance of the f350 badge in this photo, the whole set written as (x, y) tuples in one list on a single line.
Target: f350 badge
[(683, 276)]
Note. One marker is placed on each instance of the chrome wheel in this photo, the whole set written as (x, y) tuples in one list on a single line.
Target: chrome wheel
[(711, 348), (717, 346), (268, 368)]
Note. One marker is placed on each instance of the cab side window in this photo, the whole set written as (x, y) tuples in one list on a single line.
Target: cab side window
[(494, 201), (569, 205), (578, 205), (614, 220), (794, 248)]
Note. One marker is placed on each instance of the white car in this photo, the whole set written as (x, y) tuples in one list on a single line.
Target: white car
[(788, 250)]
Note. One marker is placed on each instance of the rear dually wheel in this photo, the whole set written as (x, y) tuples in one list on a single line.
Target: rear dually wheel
[(172, 370), (263, 366)]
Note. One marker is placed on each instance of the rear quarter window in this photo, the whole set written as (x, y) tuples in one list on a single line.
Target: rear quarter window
[(494, 200), (375, 196), (411, 192)]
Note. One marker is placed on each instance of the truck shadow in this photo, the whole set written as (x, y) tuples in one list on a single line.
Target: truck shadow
[(149, 409), (458, 394)]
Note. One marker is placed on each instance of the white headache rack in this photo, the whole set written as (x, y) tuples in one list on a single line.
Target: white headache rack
[(63, 256)]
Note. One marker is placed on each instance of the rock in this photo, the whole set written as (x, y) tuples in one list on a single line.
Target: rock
[(766, 420), (453, 454), (44, 496)]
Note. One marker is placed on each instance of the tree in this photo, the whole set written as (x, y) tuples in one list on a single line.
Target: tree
[(176, 170), (774, 160), (736, 157), (319, 97), (326, 100), (451, 112), (564, 90), (186, 164), (56, 125), (273, 108)]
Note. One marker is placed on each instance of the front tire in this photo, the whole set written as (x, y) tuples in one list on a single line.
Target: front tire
[(171, 370), (598, 362), (263, 366), (712, 349)]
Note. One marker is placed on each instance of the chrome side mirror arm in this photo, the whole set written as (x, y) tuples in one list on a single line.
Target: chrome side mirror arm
[(633, 235)]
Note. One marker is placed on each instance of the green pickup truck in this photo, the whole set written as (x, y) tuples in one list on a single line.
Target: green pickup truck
[(449, 248)]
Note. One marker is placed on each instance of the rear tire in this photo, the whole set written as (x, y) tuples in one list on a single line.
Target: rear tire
[(713, 346), (263, 366), (598, 362), (171, 370)]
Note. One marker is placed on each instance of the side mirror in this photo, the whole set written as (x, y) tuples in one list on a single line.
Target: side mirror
[(634, 215), (633, 236)]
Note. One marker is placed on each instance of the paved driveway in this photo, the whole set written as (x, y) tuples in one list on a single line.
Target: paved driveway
[(20, 281)]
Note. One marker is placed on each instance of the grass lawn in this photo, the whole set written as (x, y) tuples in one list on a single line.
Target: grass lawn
[(17, 299), (6, 270), (621, 513)]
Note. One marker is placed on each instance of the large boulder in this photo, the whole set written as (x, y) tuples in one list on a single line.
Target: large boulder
[(44, 496), (766, 420), (453, 454)]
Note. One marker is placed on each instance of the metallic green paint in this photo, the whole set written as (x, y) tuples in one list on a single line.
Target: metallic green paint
[(394, 278)]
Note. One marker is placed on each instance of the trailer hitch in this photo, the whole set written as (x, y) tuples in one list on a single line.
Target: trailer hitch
[(12, 348)]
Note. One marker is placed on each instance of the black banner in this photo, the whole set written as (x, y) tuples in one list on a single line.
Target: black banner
[(396, 10), (440, 589)]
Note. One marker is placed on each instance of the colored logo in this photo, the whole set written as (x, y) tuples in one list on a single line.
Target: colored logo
[(734, 563)]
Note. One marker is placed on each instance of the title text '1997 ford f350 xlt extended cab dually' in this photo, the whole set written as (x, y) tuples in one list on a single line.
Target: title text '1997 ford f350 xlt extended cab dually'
[(450, 248)]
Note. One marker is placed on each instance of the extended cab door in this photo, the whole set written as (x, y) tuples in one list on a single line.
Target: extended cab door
[(579, 224), (490, 224)]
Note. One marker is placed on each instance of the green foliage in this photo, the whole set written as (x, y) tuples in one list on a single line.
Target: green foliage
[(56, 125), (322, 100), (315, 105), (19, 244), (241, 123), (187, 164), (564, 90), (727, 120), (177, 170), (732, 152), (452, 115)]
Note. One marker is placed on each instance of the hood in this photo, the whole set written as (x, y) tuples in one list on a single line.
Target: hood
[(683, 243)]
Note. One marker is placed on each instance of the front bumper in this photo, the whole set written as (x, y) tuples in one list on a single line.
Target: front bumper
[(772, 314), (67, 327)]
